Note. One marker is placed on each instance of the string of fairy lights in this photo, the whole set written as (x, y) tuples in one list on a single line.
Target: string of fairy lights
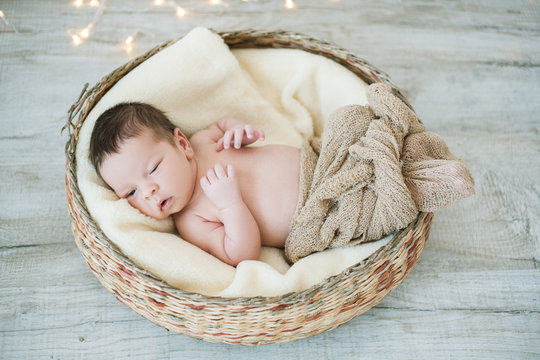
[(6, 22), (81, 35)]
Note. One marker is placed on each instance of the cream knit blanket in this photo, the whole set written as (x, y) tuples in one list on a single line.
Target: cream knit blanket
[(370, 174)]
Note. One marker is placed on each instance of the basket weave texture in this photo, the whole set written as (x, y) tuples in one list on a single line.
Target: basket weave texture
[(254, 320)]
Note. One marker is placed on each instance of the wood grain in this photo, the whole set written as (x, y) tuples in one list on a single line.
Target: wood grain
[(471, 69)]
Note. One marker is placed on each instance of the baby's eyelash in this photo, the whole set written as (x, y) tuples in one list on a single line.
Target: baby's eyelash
[(155, 168), (131, 193)]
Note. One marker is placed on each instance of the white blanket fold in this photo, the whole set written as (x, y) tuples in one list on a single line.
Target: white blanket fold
[(196, 81)]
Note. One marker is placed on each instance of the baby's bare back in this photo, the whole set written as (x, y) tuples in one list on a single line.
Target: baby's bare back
[(269, 182)]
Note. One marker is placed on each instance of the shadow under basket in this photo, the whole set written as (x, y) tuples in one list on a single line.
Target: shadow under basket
[(254, 320)]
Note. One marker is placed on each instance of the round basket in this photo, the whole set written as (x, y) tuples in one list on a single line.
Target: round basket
[(257, 320)]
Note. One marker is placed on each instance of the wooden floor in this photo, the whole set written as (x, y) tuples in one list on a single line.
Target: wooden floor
[(470, 68)]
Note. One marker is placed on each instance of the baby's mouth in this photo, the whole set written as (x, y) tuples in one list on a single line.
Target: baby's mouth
[(164, 205)]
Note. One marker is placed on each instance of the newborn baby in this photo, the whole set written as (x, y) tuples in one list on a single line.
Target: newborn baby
[(368, 175), (225, 198)]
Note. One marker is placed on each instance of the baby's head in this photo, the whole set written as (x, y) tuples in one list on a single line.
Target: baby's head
[(143, 158)]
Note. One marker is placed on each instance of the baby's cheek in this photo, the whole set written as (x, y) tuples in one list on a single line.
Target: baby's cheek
[(132, 203), (136, 204)]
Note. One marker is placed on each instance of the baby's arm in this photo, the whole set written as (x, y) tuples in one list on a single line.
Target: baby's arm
[(237, 237)]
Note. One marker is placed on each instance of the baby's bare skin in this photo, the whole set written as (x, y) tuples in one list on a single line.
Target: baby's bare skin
[(267, 178), (225, 198)]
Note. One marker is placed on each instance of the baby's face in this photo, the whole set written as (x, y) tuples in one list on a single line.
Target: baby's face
[(156, 177)]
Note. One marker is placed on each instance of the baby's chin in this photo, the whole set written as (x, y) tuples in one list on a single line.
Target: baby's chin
[(163, 217), (154, 216)]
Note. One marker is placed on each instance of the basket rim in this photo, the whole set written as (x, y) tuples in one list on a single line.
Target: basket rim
[(90, 96)]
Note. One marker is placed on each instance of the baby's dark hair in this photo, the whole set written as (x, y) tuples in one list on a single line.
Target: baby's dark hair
[(125, 121)]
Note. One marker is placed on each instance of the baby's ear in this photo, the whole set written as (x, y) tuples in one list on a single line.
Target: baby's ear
[(182, 142), (178, 134), (434, 176)]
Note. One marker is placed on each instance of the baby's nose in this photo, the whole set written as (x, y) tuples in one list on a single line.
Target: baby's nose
[(151, 191)]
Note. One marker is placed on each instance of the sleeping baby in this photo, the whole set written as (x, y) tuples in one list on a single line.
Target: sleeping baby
[(370, 174), (225, 198)]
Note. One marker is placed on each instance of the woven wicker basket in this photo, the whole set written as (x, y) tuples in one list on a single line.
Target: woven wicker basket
[(258, 320)]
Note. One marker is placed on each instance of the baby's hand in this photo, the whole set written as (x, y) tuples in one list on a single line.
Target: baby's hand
[(239, 136), (221, 187)]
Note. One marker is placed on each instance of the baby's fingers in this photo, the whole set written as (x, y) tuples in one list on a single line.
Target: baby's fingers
[(238, 136), (259, 134), (211, 176), (249, 131), (220, 171), (219, 145), (227, 137), (205, 184), (230, 171)]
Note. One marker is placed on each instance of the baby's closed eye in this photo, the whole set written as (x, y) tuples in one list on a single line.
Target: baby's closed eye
[(155, 168)]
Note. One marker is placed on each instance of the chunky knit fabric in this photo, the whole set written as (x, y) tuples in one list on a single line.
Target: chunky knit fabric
[(369, 175)]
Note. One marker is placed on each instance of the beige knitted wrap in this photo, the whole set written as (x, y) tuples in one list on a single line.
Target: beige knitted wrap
[(370, 174)]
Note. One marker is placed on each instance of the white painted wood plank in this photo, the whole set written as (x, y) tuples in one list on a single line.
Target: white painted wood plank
[(379, 334)]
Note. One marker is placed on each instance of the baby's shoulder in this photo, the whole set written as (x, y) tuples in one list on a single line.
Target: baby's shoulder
[(209, 135)]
